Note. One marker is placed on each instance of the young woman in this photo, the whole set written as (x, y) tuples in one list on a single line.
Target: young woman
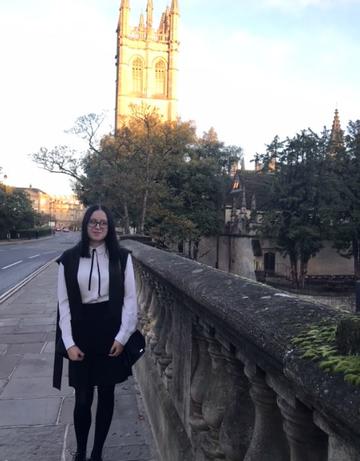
[(97, 315)]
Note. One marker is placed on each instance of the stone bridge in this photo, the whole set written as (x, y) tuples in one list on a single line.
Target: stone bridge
[(221, 378)]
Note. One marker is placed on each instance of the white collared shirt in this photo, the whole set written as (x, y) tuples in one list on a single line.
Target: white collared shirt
[(95, 289)]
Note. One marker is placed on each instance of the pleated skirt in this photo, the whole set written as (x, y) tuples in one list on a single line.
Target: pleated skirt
[(94, 335)]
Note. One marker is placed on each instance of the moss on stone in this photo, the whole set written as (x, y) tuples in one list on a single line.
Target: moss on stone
[(318, 343)]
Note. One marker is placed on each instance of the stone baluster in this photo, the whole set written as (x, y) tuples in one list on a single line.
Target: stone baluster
[(167, 360), (153, 315), (162, 350), (199, 381), (144, 298), (339, 448), (268, 441), (307, 442), (160, 327), (238, 423), (216, 400), (144, 309)]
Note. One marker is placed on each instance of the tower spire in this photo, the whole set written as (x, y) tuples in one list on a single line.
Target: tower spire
[(175, 7), (141, 22), (336, 136), (149, 15), (124, 18)]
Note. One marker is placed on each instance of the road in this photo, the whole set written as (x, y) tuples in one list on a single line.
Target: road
[(18, 260)]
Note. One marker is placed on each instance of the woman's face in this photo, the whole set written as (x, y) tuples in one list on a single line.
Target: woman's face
[(97, 227)]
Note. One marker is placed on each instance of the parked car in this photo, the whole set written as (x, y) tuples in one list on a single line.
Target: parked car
[(65, 229)]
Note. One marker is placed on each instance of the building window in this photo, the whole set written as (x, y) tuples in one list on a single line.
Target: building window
[(160, 78), (138, 75)]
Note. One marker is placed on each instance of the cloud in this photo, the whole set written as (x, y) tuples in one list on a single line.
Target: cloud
[(251, 86), (295, 5)]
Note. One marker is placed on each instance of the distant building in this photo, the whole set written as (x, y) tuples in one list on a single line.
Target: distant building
[(147, 62), (62, 211), (249, 198), (40, 200), (66, 211)]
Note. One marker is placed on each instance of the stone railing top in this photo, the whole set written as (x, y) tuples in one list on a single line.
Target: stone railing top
[(262, 321)]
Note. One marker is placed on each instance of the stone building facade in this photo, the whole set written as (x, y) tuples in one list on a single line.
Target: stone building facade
[(147, 63), (62, 211)]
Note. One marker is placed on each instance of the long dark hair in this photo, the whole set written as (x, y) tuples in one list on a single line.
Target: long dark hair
[(111, 241)]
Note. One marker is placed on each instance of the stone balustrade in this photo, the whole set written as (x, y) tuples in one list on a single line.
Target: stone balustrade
[(221, 379)]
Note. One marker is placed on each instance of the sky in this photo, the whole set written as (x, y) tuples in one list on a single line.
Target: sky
[(252, 69)]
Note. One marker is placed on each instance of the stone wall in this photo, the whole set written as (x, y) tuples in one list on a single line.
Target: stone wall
[(243, 262), (221, 379)]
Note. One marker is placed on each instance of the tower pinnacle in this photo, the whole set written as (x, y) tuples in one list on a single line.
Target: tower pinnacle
[(124, 4), (336, 136), (149, 15), (174, 7)]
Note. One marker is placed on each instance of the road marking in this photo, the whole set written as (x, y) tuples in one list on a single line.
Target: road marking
[(35, 256), (14, 289), (13, 264)]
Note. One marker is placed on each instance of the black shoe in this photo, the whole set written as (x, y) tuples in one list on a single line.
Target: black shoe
[(79, 457), (95, 459)]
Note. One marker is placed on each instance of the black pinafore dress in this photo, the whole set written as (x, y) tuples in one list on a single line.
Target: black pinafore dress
[(94, 327), (94, 337)]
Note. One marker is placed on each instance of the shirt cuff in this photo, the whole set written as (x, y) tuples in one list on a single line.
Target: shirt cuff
[(68, 342), (122, 337)]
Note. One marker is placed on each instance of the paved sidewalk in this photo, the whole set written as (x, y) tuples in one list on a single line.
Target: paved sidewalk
[(35, 419)]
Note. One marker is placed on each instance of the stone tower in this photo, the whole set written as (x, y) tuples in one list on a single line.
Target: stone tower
[(147, 62), (336, 136)]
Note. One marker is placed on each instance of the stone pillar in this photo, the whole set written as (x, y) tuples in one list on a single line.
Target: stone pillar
[(153, 314), (144, 298), (216, 400), (158, 320), (268, 442), (238, 423), (339, 448), (162, 350), (167, 360), (199, 382), (307, 442)]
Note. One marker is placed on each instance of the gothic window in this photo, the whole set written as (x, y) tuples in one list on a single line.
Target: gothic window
[(138, 75), (160, 78)]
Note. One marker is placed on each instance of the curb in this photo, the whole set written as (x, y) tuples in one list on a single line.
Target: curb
[(22, 241), (26, 280)]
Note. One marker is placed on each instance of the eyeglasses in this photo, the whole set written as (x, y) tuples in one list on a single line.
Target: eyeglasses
[(95, 222)]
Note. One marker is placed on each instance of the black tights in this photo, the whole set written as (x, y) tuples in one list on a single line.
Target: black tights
[(82, 417)]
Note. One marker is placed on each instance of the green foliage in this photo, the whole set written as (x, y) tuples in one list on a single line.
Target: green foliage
[(318, 343), (157, 177), (301, 197), (16, 211), (346, 206)]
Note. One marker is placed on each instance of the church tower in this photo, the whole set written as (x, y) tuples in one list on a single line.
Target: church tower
[(147, 62), (336, 136)]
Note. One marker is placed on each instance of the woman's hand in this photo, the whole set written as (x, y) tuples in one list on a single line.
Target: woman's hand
[(116, 349), (75, 354)]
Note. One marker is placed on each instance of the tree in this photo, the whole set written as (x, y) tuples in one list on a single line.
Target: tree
[(346, 208), (16, 211), (126, 171), (299, 219), (156, 176), (196, 193)]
